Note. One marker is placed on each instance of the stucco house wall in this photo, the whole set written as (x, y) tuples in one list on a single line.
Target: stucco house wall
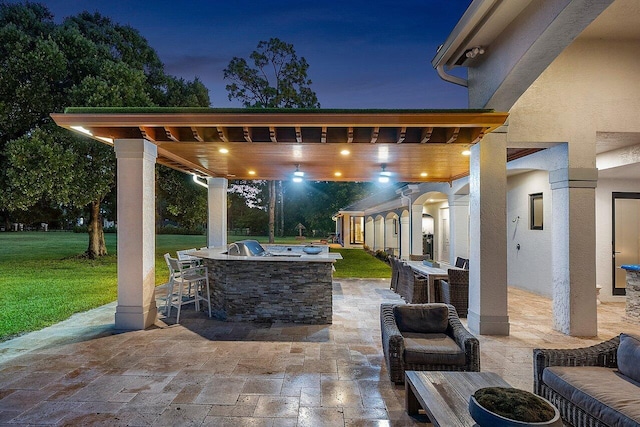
[(529, 267)]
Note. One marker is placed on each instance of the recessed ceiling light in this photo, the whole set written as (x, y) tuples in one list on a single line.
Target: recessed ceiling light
[(466, 153), (252, 172), (338, 173), (345, 152), (423, 174), (223, 150), (297, 179)]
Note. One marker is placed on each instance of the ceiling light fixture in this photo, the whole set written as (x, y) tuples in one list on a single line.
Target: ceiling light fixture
[(466, 153), (252, 172), (423, 174), (298, 174), (384, 175), (345, 152), (223, 150), (338, 173)]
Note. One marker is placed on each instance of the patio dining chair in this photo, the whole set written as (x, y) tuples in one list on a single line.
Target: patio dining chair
[(182, 277)]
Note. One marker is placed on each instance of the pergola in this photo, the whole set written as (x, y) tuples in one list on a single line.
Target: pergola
[(413, 145), (222, 144)]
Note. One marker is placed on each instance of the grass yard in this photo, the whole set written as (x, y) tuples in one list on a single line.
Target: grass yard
[(358, 263), (43, 281)]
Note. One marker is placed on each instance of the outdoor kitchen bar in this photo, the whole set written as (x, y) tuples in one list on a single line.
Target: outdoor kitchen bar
[(278, 284)]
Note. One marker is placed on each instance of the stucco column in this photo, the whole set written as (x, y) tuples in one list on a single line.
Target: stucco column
[(488, 237), (405, 236), (573, 250), (459, 226), (217, 212), (416, 229), (136, 307)]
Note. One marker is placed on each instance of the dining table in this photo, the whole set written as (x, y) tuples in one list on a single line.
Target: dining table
[(431, 274)]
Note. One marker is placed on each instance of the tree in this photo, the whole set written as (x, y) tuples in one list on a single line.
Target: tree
[(87, 60), (277, 79)]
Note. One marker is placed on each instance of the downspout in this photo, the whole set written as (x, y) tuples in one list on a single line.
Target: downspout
[(451, 78)]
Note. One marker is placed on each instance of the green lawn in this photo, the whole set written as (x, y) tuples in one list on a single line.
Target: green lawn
[(43, 281)]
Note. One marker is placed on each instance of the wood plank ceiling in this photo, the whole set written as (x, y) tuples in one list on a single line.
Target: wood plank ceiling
[(327, 145)]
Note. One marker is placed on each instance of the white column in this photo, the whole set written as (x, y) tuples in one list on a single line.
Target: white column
[(405, 236), (136, 307), (459, 227), (217, 212), (573, 250), (416, 229), (488, 237)]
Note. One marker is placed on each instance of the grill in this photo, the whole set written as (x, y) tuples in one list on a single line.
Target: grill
[(246, 248)]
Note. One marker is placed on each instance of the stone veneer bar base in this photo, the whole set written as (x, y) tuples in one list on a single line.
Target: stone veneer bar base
[(633, 296), (264, 291)]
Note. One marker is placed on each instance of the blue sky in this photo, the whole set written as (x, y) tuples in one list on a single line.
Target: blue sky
[(362, 54)]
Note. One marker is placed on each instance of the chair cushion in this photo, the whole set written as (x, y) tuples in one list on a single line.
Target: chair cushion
[(601, 392), (629, 356), (431, 349), (422, 318)]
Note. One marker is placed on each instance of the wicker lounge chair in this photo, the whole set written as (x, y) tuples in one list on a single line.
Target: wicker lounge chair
[(406, 342)]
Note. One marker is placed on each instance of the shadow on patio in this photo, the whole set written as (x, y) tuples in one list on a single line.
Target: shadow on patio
[(208, 372)]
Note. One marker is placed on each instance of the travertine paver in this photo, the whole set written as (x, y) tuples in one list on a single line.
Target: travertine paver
[(212, 373)]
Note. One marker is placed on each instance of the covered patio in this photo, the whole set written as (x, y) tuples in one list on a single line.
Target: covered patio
[(333, 145)]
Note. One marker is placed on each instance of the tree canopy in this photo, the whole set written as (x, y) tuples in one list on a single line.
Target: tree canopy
[(87, 60), (277, 79)]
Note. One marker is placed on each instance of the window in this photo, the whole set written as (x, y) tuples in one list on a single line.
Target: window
[(536, 217), (357, 230)]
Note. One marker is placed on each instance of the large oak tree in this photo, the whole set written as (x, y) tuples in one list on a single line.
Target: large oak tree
[(88, 60)]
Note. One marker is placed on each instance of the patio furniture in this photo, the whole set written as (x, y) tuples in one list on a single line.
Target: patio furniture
[(395, 272), (444, 396), (460, 262), (181, 277), (431, 275), (592, 386), (412, 287), (426, 337), (455, 290)]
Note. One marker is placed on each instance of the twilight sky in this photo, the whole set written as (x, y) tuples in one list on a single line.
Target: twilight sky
[(362, 53)]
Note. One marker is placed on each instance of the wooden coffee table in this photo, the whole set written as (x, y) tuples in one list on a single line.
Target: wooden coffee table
[(445, 395)]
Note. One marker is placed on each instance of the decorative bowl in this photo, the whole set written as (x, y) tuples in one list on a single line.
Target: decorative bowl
[(486, 418), (312, 250)]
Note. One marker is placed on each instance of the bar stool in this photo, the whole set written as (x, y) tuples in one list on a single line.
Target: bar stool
[(182, 276)]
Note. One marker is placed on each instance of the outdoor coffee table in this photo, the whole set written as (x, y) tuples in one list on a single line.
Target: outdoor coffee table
[(445, 395)]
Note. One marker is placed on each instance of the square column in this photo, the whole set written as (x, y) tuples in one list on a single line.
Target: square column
[(573, 259), (488, 313), (217, 212), (136, 307), (459, 226), (416, 229)]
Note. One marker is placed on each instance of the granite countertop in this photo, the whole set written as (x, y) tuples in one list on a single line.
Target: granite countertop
[(220, 255)]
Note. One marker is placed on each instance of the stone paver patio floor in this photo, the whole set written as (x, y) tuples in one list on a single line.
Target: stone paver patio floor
[(212, 373)]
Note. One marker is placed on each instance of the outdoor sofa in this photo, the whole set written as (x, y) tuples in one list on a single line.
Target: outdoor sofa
[(592, 386)]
